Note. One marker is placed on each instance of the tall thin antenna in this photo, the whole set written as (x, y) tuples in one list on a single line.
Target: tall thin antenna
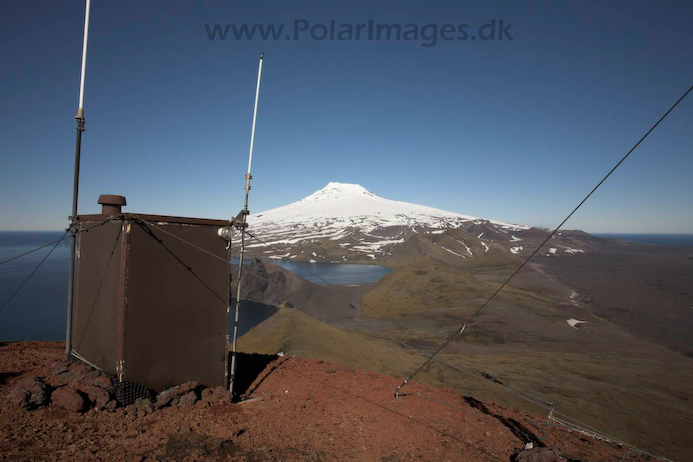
[(80, 110), (240, 222), (75, 187)]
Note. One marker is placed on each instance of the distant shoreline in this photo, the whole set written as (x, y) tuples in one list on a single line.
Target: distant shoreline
[(679, 240), (670, 239)]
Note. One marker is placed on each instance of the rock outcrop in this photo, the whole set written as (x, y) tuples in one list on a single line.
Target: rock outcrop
[(30, 393)]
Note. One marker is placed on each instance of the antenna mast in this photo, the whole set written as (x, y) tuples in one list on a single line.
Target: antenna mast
[(75, 188), (241, 224)]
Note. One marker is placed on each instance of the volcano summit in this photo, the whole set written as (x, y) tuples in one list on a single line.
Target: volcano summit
[(347, 223)]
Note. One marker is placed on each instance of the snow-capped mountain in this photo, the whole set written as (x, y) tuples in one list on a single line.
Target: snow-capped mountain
[(347, 223), (341, 205)]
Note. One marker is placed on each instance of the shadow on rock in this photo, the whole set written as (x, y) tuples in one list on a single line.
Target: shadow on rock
[(5, 376)]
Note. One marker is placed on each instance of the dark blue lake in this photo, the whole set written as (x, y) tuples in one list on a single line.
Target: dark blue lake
[(38, 311), (656, 239)]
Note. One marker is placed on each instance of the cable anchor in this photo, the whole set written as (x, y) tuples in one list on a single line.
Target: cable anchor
[(397, 395)]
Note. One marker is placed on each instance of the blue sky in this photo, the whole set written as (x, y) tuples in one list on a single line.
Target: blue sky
[(516, 130)]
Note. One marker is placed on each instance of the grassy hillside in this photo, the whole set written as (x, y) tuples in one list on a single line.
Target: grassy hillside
[(633, 390), (598, 373), (428, 283), (295, 333)]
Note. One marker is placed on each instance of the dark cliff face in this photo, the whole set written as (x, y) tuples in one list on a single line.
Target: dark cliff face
[(271, 284), (254, 282), (260, 286)]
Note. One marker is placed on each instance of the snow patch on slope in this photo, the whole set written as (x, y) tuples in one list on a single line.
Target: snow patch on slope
[(454, 253), (465, 246), (574, 322)]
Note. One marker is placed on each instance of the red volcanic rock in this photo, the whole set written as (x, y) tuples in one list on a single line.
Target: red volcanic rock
[(102, 381), (98, 396), (145, 404), (29, 393), (188, 399), (172, 395), (69, 399), (59, 368), (79, 374)]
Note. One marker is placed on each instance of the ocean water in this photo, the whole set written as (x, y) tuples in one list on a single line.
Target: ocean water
[(38, 311), (655, 239)]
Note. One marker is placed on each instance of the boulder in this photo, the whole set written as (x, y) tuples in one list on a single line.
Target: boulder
[(140, 408), (111, 406), (30, 393), (78, 374), (73, 376), (102, 381), (79, 366), (188, 399), (69, 399), (98, 396), (171, 396), (59, 368), (145, 405), (89, 378)]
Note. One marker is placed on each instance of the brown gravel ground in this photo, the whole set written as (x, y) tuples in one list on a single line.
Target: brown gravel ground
[(297, 409)]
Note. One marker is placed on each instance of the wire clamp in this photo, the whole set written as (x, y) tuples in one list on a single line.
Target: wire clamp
[(239, 221), (81, 122)]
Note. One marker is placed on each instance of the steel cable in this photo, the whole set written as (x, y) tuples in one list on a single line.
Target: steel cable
[(459, 331)]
